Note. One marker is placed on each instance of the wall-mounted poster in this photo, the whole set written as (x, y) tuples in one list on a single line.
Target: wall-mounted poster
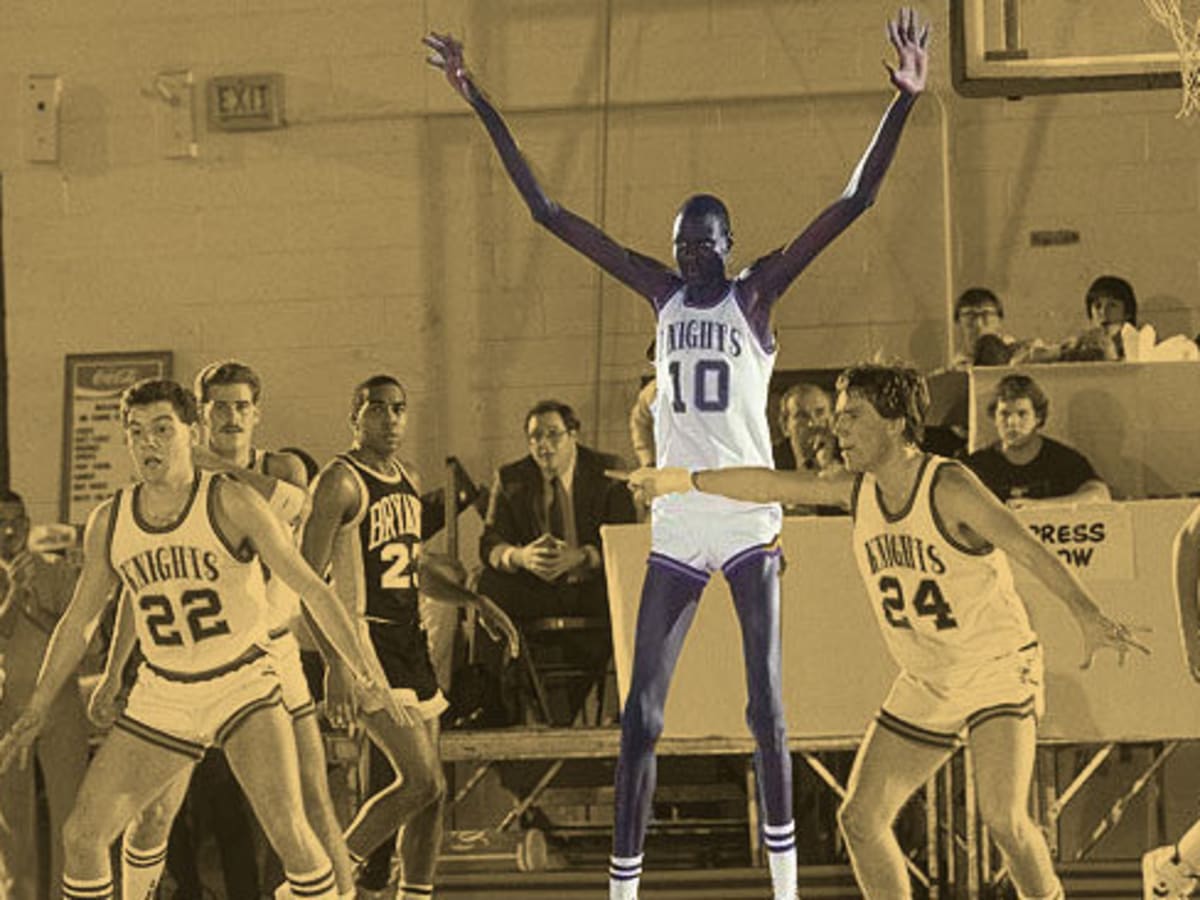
[(95, 462)]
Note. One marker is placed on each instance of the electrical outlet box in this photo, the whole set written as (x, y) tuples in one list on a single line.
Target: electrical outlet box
[(174, 118), (43, 95)]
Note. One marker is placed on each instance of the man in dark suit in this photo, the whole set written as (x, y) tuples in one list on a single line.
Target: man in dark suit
[(541, 543)]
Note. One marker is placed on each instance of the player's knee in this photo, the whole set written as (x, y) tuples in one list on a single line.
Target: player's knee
[(149, 829), (1008, 823), (766, 722), (858, 821), (641, 722), (83, 832)]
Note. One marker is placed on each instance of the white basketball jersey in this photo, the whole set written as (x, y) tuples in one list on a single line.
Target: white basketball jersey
[(940, 605), (198, 603), (710, 411), (283, 604)]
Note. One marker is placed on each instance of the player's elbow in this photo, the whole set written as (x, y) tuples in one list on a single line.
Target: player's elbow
[(545, 212)]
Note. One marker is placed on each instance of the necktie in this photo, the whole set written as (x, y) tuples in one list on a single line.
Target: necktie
[(556, 518)]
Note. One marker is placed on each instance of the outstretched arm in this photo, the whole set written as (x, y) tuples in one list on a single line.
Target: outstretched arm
[(972, 512), (752, 484), (773, 275), (650, 278)]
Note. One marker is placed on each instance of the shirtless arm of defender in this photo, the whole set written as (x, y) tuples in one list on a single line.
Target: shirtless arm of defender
[(68, 643), (335, 501), (972, 513), (649, 277)]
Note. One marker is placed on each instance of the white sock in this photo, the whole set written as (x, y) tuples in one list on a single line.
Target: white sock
[(624, 874), (780, 841), (349, 896), (140, 870), (316, 885)]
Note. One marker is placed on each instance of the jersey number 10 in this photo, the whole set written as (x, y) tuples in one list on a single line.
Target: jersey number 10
[(710, 386)]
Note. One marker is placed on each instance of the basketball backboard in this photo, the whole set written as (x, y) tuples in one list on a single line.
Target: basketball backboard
[(1011, 48)]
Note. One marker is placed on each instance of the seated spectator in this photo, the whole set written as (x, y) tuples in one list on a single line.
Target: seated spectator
[(1024, 467), (979, 317), (806, 420), (541, 542), (1109, 304), (35, 589)]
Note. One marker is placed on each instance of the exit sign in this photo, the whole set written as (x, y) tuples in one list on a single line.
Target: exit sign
[(245, 102)]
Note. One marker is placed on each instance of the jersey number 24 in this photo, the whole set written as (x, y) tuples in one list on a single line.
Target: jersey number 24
[(927, 601)]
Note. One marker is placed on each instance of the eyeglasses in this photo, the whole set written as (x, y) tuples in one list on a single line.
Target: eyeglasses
[(550, 435)]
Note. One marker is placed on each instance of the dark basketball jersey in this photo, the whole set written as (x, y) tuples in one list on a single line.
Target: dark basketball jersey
[(375, 554)]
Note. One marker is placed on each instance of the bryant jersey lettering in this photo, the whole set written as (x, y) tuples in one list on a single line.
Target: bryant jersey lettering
[(375, 554), (940, 605), (198, 603)]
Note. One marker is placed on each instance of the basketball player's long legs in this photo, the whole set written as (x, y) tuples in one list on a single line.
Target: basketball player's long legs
[(1003, 750), (670, 597), (420, 783), (261, 753), (887, 771), (126, 774)]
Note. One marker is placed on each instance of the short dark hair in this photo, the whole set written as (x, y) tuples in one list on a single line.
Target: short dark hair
[(1016, 387), (1118, 289), (975, 297), (155, 390), (364, 387), (8, 495), (706, 205), (896, 391), (229, 371), (553, 406)]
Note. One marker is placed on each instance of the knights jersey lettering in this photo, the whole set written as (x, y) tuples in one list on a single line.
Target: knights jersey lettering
[(375, 554), (198, 604), (713, 376), (939, 604)]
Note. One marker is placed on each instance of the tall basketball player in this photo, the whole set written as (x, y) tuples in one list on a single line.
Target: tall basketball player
[(933, 545), (715, 352), (229, 394), (189, 548), (365, 529)]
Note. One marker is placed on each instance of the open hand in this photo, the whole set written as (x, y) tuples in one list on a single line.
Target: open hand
[(447, 55), (910, 39), (1100, 632), (16, 742)]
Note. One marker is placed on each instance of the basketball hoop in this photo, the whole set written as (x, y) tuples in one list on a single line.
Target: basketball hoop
[(1187, 39)]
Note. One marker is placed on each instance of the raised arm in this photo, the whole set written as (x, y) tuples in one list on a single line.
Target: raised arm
[(772, 275), (972, 513), (752, 484), (649, 277)]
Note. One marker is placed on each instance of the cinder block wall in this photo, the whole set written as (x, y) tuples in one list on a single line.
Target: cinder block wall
[(377, 231)]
